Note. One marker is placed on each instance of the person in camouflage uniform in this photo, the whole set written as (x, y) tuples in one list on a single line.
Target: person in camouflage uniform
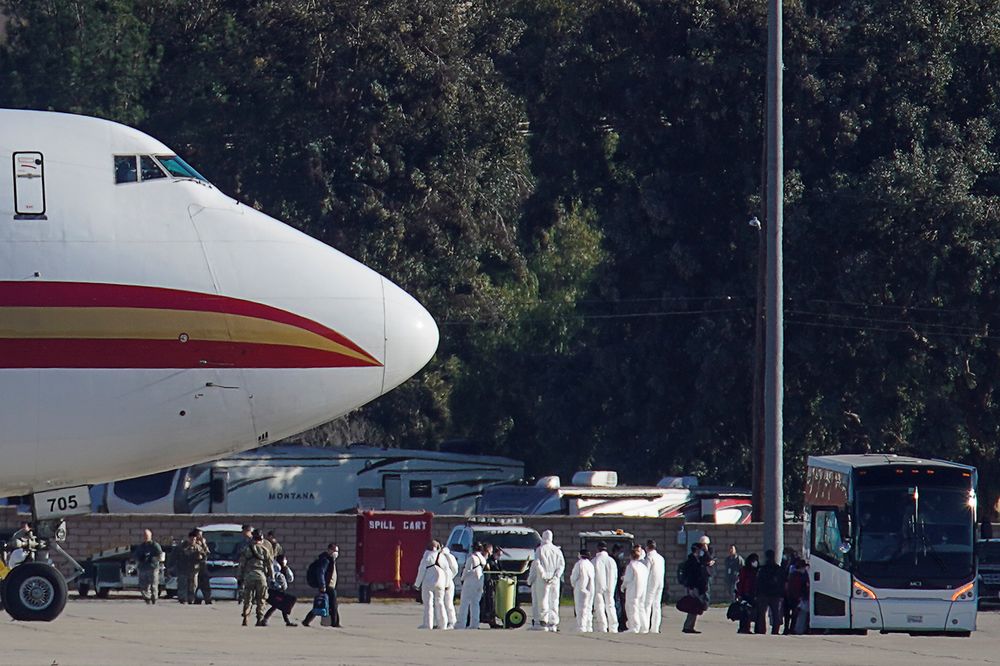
[(147, 556), (256, 567), (191, 556), (201, 568)]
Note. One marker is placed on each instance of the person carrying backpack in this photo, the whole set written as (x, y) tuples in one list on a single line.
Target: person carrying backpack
[(770, 591), (322, 575)]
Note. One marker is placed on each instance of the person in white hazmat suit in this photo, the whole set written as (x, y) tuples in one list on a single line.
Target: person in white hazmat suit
[(431, 581), (449, 588), (605, 579), (634, 586), (654, 588), (472, 589), (582, 579), (551, 565), (537, 592)]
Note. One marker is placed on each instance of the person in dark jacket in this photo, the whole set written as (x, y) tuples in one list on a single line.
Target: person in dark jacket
[(796, 592), (487, 605), (619, 556), (770, 591), (746, 590), (696, 582), (328, 575)]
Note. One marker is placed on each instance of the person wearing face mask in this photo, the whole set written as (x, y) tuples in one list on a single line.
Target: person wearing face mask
[(634, 585), (431, 582), (449, 587), (605, 580), (746, 590), (327, 584), (696, 582), (472, 589)]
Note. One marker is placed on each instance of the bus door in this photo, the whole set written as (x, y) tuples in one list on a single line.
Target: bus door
[(830, 578)]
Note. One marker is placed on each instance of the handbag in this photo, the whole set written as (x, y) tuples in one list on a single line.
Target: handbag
[(321, 605), (281, 600), (735, 611), (689, 604)]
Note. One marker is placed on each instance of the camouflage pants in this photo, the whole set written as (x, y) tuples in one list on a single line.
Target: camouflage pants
[(149, 583), (254, 591), (186, 587)]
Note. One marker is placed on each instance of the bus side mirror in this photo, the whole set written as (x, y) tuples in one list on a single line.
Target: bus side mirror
[(844, 547)]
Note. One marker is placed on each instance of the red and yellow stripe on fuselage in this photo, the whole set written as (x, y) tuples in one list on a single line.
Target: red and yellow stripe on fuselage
[(93, 325)]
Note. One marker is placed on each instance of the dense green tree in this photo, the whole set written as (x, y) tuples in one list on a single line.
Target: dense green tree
[(567, 186)]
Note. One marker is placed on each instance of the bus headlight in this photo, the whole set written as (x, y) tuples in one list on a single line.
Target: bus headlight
[(964, 593), (863, 591)]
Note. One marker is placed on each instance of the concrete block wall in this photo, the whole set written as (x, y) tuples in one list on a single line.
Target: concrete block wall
[(305, 536)]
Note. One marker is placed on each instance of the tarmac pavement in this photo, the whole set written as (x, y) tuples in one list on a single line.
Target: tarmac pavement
[(124, 630)]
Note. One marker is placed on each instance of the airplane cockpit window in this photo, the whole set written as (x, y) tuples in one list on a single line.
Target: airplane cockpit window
[(178, 168), (125, 171), (149, 168)]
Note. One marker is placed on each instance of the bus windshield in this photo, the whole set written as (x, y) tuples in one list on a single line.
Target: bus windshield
[(914, 532)]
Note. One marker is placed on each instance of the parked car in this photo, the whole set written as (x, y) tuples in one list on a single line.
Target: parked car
[(116, 569), (225, 541), (989, 572), (517, 544)]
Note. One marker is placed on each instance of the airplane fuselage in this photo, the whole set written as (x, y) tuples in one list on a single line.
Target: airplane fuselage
[(148, 321)]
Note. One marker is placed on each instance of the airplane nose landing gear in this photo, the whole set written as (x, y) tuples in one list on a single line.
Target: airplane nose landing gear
[(34, 592)]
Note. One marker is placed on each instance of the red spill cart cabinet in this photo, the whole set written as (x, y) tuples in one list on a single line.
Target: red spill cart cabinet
[(390, 544)]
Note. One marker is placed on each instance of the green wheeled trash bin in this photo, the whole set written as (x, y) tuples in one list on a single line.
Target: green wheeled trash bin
[(505, 600)]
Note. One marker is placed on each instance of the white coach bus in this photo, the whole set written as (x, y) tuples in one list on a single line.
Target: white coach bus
[(891, 544)]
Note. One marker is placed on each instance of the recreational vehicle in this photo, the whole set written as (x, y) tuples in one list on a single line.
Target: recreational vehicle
[(598, 494), (301, 479)]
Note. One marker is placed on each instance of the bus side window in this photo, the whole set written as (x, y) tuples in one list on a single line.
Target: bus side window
[(826, 536)]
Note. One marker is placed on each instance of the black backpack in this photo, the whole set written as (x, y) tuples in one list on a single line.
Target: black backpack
[(313, 573), (682, 573)]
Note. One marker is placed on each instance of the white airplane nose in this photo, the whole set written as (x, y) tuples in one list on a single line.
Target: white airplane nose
[(411, 336)]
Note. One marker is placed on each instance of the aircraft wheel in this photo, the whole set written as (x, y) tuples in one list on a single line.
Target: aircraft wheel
[(83, 589), (35, 592)]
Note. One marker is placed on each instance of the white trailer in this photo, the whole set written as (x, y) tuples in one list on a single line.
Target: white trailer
[(598, 494), (301, 479)]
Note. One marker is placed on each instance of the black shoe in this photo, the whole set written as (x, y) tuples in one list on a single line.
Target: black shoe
[(690, 631), (305, 623), (291, 624), (207, 603), (197, 602), (153, 600), (261, 623), (244, 622)]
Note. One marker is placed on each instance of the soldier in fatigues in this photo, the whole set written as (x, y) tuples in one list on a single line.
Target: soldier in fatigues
[(201, 569), (256, 569), (147, 556), (191, 556), (178, 560)]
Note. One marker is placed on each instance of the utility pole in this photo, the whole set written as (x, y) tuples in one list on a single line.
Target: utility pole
[(774, 507)]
